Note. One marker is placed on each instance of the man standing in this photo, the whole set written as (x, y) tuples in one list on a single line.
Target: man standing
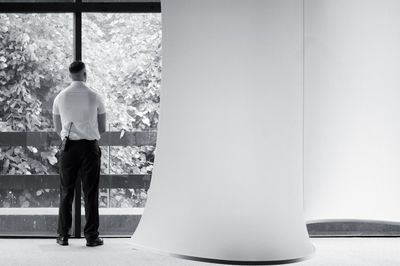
[(79, 112)]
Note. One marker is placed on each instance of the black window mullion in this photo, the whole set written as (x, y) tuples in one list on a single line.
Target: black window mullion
[(78, 36), (76, 205)]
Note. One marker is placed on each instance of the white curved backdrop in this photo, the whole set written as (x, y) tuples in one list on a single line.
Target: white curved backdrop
[(352, 109), (227, 182)]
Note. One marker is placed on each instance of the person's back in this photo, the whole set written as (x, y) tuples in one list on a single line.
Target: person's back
[(79, 114), (80, 105)]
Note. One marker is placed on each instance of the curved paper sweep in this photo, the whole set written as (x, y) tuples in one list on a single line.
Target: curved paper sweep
[(227, 181)]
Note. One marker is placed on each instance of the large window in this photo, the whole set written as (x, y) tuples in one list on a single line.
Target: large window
[(122, 52), (34, 53)]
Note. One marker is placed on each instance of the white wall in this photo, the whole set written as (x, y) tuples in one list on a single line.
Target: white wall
[(352, 109)]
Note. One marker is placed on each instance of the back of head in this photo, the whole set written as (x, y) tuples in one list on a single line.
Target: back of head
[(77, 71)]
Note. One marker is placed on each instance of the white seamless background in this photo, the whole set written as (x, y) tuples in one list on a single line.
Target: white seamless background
[(352, 109)]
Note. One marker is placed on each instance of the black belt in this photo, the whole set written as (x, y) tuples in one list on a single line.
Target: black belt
[(83, 140)]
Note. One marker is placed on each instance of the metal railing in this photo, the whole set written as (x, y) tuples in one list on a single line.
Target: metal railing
[(41, 139), (323, 228)]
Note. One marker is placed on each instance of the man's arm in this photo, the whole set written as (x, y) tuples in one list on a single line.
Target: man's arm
[(101, 115), (56, 117), (101, 121), (57, 123)]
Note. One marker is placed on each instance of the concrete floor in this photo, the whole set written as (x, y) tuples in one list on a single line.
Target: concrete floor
[(116, 251)]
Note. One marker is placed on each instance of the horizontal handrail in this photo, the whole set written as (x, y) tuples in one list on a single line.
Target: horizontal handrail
[(109, 138), (53, 181), (54, 211)]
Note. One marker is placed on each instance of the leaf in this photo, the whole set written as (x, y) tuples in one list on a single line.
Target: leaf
[(146, 121), (12, 171), (121, 99), (52, 160)]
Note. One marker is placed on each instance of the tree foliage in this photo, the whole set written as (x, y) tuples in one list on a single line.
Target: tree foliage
[(131, 87), (34, 52), (123, 55)]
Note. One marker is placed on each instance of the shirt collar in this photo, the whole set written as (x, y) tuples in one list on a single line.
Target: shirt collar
[(77, 82)]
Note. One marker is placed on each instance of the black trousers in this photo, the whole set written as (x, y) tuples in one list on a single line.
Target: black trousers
[(83, 156)]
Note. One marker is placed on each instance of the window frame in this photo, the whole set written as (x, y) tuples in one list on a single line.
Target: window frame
[(77, 7)]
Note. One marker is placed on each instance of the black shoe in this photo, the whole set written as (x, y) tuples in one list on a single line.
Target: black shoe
[(95, 242), (62, 240)]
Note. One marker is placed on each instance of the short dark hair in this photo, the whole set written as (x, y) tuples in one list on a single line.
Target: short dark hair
[(76, 67)]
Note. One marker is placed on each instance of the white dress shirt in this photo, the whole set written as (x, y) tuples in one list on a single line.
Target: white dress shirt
[(79, 104)]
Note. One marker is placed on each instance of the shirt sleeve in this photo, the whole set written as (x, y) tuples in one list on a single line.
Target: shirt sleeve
[(56, 110), (101, 107)]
